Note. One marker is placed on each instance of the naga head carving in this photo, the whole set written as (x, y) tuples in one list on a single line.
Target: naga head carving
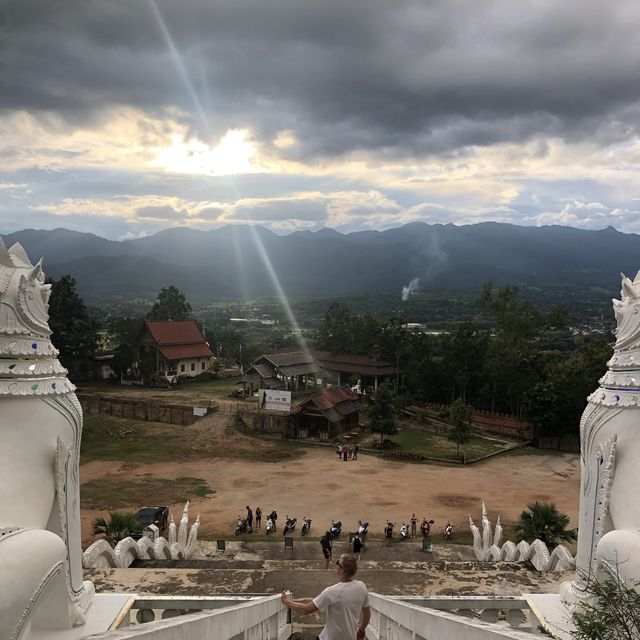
[(24, 296), (627, 313)]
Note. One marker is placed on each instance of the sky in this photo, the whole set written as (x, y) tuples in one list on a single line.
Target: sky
[(126, 117)]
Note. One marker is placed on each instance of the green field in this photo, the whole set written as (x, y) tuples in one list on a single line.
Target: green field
[(430, 445), (108, 438), (191, 393)]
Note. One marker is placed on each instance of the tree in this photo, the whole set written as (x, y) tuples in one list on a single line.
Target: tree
[(382, 413), (75, 333), (464, 351), (459, 415), (612, 612), (171, 304), (513, 363), (122, 335), (555, 404), (542, 520), (119, 525)]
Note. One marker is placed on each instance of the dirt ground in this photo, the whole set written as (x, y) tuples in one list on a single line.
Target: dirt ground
[(321, 486)]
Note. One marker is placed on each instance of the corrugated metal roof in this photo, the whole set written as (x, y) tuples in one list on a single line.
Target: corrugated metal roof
[(333, 396), (185, 351), (175, 332), (292, 363), (334, 403), (290, 358), (252, 377), (263, 370), (348, 363), (300, 369)]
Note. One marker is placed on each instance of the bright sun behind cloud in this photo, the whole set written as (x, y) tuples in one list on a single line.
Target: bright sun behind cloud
[(234, 154)]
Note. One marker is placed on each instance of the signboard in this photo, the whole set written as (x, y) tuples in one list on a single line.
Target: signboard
[(199, 411), (274, 400)]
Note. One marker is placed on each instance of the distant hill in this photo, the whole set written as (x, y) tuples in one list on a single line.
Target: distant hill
[(252, 262)]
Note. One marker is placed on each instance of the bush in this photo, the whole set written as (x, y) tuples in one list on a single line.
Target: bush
[(614, 614)]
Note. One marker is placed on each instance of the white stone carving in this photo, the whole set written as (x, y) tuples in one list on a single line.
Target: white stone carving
[(537, 553), (40, 430), (100, 555), (610, 450)]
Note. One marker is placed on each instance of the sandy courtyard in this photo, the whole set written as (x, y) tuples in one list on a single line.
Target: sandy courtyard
[(322, 487)]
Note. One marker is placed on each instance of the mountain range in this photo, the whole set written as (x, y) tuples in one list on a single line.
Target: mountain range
[(250, 262)]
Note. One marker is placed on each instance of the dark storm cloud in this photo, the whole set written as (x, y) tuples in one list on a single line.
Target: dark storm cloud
[(402, 76)]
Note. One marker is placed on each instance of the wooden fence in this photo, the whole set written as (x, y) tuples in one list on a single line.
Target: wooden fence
[(152, 411)]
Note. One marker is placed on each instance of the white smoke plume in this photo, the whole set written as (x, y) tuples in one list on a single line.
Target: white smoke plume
[(409, 289)]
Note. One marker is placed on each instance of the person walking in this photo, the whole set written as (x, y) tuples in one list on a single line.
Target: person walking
[(345, 453), (258, 517), (357, 546), (327, 548), (249, 519), (355, 451), (346, 604), (414, 522)]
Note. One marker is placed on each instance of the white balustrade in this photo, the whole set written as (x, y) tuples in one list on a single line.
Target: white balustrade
[(443, 618), (196, 618)]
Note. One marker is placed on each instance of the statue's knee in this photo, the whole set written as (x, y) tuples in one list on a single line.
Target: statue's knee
[(31, 548), (26, 557), (620, 550)]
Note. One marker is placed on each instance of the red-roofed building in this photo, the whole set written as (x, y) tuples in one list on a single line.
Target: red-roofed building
[(177, 348)]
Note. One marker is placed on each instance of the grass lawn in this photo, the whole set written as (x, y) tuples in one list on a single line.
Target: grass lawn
[(436, 446), (181, 394), (110, 494), (108, 438)]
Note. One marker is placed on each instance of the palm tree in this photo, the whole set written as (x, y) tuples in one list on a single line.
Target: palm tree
[(542, 520), (119, 525)]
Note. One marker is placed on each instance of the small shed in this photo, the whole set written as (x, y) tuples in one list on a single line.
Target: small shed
[(293, 371), (328, 413)]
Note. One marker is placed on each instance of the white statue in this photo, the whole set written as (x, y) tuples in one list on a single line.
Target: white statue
[(41, 584), (488, 548), (179, 546), (609, 522)]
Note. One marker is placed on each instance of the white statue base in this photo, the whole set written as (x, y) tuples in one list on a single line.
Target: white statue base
[(551, 614), (108, 611)]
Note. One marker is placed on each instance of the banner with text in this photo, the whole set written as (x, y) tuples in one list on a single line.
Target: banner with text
[(273, 400)]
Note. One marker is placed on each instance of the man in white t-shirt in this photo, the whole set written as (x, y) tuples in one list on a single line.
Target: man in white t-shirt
[(346, 604)]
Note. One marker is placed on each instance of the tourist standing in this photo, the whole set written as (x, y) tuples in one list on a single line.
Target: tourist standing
[(258, 517), (357, 546), (414, 522), (346, 604), (249, 519), (355, 451), (388, 533), (327, 548)]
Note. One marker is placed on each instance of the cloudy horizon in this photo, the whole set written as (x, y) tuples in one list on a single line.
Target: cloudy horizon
[(124, 119)]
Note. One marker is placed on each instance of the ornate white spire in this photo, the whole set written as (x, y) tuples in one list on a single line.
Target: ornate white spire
[(28, 360)]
